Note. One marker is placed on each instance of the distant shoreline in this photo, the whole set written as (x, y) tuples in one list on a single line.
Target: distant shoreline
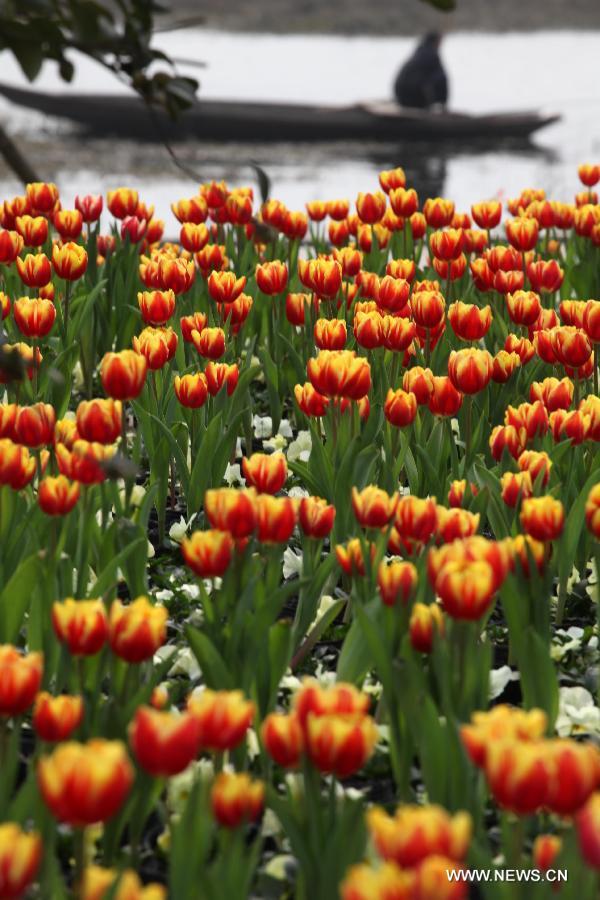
[(386, 17)]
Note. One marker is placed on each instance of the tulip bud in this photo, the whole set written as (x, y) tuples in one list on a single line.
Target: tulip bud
[(543, 518), (224, 718), (208, 553), (283, 739), (425, 621), (265, 472), (56, 718), (396, 582), (236, 799), (20, 679), (164, 743), (20, 858), (80, 624), (57, 496), (83, 784)]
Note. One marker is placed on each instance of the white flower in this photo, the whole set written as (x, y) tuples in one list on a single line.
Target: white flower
[(252, 743), (290, 682), (191, 591), (577, 712), (292, 563), (285, 429), (184, 661), (197, 617), (275, 443), (298, 492), (136, 496), (233, 475), (77, 377), (164, 595), (263, 426), (499, 678), (210, 584), (455, 427), (178, 530), (238, 448), (325, 604), (300, 448), (270, 825), (151, 552)]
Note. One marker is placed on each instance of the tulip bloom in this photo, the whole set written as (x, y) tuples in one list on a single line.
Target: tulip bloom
[(57, 496), (316, 517), (191, 390), (523, 307), (517, 775), (591, 320), (80, 624), (425, 621), (33, 230), (225, 287), (157, 345), (224, 718), (503, 365), (208, 553), (275, 518), (236, 799), (448, 244), (164, 743), (83, 784), (34, 316), (469, 322), (571, 345), (428, 308), (438, 212), (340, 744), (85, 461), (17, 467), (20, 679), (455, 523), (99, 420), (592, 511), (11, 244), (176, 275), (340, 373), (465, 588), (20, 858), (543, 518), (69, 261), (400, 407), (90, 207), (272, 277), (56, 718), (545, 276), (522, 233), (34, 425), (587, 826), (507, 437), (156, 307), (516, 486), (34, 270), (232, 510), (373, 507), (396, 582), (470, 370), (136, 631), (417, 832), (123, 202), (123, 374), (330, 334), (323, 276), (487, 214), (265, 472), (371, 207), (68, 223), (554, 394), (283, 739)]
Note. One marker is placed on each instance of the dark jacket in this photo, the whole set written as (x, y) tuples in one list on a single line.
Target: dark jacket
[(422, 81)]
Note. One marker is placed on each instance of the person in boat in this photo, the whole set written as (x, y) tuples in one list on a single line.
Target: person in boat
[(422, 80)]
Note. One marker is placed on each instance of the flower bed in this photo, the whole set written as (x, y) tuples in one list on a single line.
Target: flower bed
[(299, 524)]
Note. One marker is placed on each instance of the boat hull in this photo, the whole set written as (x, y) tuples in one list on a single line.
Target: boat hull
[(128, 116)]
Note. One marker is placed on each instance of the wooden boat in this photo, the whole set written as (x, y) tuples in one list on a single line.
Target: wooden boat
[(223, 120)]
